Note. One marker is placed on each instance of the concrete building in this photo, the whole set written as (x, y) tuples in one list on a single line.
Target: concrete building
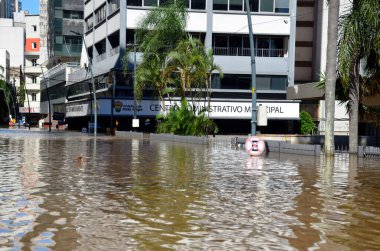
[(8, 7), (34, 59), (53, 91), (62, 18), (222, 25), (310, 61), (5, 64), (13, 42)]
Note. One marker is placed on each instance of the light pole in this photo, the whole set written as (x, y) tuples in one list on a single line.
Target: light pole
[(48, 96), (253, 70), (92, 83), (134, 45)]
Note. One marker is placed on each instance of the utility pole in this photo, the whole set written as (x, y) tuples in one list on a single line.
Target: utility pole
[(253, 71)]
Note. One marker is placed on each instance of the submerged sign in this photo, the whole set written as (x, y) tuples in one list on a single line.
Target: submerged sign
[(217, 110)]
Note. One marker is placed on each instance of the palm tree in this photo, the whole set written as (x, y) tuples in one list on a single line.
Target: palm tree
[(209, 68), (332, 38), (186, 60), (157, 34), (359, 40)]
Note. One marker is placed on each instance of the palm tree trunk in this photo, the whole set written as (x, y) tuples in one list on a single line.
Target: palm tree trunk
[(354, 108), (332, 39)]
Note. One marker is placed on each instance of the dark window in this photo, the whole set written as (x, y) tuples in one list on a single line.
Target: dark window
[(220, 4), (163, 2), (150, 2), (254, 6), (236, 5), (134, 2), (198, 4), (266, 6), (279, 83)]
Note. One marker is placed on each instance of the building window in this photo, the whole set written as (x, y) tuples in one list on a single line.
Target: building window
[(34, 27), (34, 45), (100, 14), (34, 96), (113, 5), (238, 45), (90, 22), (34, 62), (197, 4), (134, 2), (220, 4), (34, 79), (243, 82)]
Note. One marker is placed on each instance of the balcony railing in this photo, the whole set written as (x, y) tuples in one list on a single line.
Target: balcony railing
[(238, 51), (101, 57), (114, 51)]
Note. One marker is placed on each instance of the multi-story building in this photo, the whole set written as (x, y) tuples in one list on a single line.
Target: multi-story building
[(310, 61), (54, 91), (8, 7), (222, 25), (63, 17), (43, 22), (34, 59)]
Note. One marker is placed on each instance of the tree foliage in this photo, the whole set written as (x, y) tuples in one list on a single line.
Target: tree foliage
[(181, 120), (307, 123), (359, 41)]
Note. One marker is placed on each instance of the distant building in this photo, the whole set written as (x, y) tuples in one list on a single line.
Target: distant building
[(34, 59), (8, 7), (62, 17)]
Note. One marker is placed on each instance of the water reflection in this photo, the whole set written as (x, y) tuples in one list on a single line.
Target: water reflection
[(132, 194)]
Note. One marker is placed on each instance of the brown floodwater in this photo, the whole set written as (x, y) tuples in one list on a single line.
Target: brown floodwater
[(66, 191)]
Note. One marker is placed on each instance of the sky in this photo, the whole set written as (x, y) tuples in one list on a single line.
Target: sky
[(31, 5)]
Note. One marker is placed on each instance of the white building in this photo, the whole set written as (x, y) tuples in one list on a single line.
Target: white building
[(34, 59), (110, 25), (5, 64)]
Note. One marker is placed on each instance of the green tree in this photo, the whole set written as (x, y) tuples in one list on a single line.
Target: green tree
[(4, 87), (181, 120), (307, 123), (332, 38), (157, 34), (359, 41)]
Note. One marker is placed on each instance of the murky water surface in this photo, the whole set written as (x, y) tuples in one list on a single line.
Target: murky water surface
[(64, 192)]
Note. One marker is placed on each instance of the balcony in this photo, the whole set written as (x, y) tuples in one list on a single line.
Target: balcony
[(32, 87), (35, 70), (101, 57), (114, 51), (238, 51)]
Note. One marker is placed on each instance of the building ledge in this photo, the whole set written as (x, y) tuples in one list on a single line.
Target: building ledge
[(304, 91)]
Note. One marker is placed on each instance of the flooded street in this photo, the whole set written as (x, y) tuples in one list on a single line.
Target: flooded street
[(64, 191)]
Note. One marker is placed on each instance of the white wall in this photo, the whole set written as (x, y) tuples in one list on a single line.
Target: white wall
[(13, 41)]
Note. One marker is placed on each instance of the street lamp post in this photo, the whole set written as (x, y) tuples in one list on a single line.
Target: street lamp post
[(92, 83), (134, 45), (48, 96), (253, 71)]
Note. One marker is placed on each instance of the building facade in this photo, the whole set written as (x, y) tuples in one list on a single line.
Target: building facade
[(222, 25), (35, 57), (63, 18), (310, 62)]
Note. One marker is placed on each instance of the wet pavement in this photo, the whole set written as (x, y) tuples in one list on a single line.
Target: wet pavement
[(67, 191)]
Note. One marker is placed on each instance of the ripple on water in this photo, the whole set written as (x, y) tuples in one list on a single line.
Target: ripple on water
[(140, 195)]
